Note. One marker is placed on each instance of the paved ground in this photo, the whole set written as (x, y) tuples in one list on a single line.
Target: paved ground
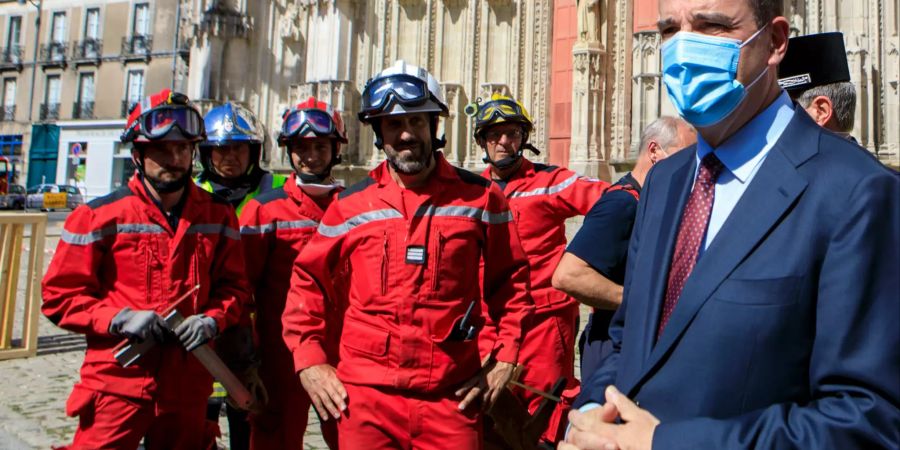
[(33, 391)]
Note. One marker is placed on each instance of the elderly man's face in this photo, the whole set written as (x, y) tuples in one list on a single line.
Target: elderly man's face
[(732, 19)]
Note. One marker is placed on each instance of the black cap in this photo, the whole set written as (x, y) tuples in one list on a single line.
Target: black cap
[(814, 60)]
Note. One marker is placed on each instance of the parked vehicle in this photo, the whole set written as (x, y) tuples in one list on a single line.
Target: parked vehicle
[(48, 197), (14, 199)]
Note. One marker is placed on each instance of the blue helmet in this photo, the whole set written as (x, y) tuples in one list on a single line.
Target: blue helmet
[(231, 124)]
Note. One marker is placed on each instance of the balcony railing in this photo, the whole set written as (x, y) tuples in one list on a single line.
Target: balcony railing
[(83, 110), (137, 47), (126, 107), (88, 51), (54, 53), (11, 57), (8, 113), (49, 111)]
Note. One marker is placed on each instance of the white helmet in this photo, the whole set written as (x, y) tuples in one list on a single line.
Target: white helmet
[(401, 89)]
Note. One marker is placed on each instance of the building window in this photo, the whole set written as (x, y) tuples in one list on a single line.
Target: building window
[(90, 45), (92, 24), (134, 90), (50, 107), (141, 25), (8, 114), (56, 49), (13, 51), (11, 145), (58, 27), (140, 30), (84, 107)]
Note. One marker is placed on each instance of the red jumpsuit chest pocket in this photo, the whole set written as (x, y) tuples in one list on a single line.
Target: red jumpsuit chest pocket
[(455, 257)]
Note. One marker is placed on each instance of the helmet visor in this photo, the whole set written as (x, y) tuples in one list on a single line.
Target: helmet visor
[(405, 89), (300, 122), (158, 122), (500, 108)]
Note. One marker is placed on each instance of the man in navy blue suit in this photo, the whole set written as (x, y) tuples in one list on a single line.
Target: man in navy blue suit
[(762, 294)]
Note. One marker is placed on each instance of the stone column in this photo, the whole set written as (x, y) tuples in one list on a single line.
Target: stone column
[(587, 108)]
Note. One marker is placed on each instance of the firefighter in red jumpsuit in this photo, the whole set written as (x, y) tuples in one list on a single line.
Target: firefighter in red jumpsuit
[(541, 198), (275, 226), (124, 258), (413, 233)]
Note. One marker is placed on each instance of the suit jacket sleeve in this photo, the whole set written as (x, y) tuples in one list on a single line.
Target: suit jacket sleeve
[(854, 367)]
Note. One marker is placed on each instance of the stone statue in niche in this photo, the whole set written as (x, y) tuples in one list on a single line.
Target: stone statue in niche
[(590, 20)]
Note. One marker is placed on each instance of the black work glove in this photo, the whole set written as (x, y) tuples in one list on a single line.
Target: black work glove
[(138, 325), (196, 331)]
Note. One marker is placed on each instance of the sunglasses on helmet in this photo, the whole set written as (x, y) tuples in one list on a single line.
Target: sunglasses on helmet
[(402, 88), (300, 122), (158, 122), (499, 108)]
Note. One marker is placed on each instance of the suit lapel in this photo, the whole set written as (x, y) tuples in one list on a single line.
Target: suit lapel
[(671, 188), (768, 197), (679, 190)]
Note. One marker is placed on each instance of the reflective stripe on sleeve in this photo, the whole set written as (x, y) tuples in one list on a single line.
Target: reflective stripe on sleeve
[(547, 190), (122, 228), (295, 224)]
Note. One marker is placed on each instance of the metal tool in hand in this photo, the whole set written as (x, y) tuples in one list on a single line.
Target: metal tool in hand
[(536, 391), (128, 352)]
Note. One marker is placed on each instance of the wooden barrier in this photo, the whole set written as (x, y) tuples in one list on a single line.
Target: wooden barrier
[(12, 235)]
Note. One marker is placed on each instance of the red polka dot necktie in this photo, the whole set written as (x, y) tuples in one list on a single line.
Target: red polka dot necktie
[(694, 221)]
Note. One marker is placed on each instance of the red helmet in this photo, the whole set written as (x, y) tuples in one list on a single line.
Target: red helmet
[(312, 118), (157, 117)]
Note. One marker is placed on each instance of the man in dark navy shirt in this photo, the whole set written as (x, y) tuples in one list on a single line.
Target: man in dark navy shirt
[(592, 270)]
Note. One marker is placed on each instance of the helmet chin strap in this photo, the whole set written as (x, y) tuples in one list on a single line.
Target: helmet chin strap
[(504, 163), (509, 161)]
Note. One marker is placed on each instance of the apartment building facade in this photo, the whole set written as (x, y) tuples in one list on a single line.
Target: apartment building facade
[(66, 92)]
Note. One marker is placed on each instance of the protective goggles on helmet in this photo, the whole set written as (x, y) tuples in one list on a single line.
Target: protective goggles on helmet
[(158, 122), (402, 88), (300, 122), (505, 109)]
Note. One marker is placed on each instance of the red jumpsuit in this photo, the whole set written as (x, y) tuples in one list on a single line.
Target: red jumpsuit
[(413, 272), (541, 198), (275, 226), (118, 251)]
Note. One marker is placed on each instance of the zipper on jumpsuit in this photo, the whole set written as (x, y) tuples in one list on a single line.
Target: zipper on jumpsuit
[(384, 265), (435, 272)]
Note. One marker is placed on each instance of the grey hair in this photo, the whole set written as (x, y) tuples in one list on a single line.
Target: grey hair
[(663, 130), (843, 99)]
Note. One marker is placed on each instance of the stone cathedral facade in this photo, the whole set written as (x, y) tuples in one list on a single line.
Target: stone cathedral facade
[(587, 70)]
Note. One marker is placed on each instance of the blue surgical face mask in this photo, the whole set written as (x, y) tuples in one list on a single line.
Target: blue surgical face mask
[(700, 73)]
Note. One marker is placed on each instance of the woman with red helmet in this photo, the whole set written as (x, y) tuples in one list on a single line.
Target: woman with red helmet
[(275, 226)]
